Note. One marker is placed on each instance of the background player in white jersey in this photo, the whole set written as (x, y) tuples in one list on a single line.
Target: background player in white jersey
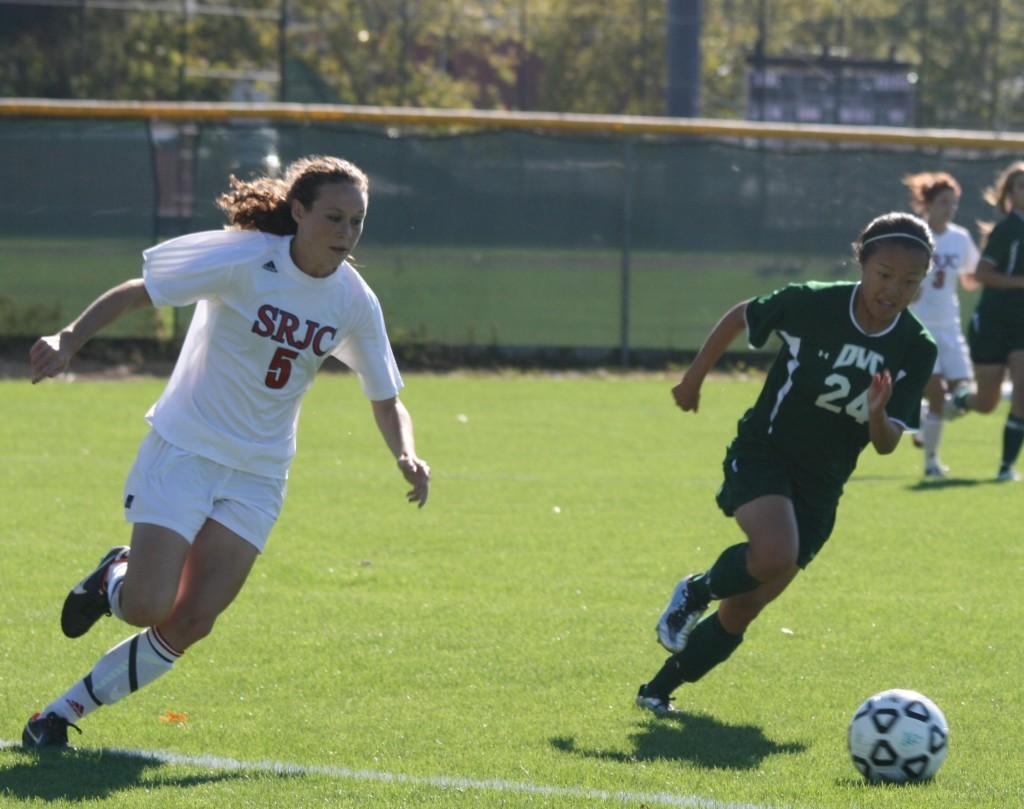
[(935, 196), (275, 296)]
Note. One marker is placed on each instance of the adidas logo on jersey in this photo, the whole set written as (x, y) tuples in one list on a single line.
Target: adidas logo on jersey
[(270, 267)]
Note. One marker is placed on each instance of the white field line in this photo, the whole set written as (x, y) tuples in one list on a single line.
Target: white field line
[(440, 781)]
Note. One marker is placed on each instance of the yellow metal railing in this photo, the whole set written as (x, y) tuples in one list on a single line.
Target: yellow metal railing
[(484, 119)]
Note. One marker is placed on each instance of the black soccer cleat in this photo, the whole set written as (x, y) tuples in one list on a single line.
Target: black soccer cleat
[(47, 731), (655, 703), (680, 616), (87, 602)]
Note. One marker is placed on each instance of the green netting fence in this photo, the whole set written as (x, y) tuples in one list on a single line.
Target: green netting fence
[(605, 245)]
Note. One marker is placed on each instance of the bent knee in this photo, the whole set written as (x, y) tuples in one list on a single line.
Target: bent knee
[(736, 614), (985, 406), (767, 565), (143, 608), (184, 628), (142, 614)]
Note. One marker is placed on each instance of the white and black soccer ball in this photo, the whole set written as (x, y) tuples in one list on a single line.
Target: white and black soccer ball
[(898, 736)]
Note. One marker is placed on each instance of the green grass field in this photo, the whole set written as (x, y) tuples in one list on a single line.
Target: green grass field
[(455, 296), (485, 651)]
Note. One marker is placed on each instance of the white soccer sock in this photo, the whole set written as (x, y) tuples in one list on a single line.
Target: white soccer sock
[(127, 667), (115, 578), (931, 434)]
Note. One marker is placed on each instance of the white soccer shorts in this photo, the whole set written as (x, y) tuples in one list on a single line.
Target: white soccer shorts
[(954, 358), (175, 489)]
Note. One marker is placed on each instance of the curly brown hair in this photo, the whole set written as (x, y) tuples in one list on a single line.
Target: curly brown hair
[(265, 203), (926, 186), (998, 194)]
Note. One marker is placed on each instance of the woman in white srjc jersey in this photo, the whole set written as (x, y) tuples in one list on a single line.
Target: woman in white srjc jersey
[(274, 298), (935, 196)]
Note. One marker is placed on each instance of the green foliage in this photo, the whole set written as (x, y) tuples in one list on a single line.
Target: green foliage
[(499, 634), (583, 55), (600, 58)]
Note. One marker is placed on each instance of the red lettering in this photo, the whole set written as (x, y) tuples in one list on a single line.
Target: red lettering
[(281, 326), (264, 325), (286, 329), (311, 327), (326, 331)]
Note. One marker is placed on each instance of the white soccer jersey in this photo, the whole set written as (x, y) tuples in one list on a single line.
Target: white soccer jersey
[(955, 253), (260, 331)]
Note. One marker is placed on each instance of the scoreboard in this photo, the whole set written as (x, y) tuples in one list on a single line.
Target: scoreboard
[(830, 90)]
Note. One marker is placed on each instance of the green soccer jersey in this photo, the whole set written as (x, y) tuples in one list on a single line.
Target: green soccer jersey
[(1005, 249), (813, 408)]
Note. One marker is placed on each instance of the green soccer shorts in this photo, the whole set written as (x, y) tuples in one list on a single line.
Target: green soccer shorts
[(993, 335), (753, 471)]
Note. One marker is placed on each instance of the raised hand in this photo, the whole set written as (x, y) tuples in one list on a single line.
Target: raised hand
[(880, 391)]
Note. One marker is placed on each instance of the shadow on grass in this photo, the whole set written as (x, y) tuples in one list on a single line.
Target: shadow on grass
[(85, 775), (696, 738), (934, 485)]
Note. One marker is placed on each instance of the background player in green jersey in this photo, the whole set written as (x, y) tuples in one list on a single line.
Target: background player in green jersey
[(851, 370), (996, 331)]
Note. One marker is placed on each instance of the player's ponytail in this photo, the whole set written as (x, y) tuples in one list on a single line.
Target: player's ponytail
[(265, 203), (998, 194)]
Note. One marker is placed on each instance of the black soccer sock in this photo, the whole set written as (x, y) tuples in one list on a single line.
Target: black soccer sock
[(709, 645), (1013, 436), (728, 576)]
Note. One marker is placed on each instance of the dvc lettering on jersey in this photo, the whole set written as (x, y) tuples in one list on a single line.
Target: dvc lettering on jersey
[(280, 326), (863, 358)]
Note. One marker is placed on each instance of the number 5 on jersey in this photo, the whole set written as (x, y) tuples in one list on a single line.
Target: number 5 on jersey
[(280, 369)]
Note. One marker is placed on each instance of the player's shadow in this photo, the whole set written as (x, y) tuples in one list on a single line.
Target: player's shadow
[(695, 738), (85, 775), (934, 485)]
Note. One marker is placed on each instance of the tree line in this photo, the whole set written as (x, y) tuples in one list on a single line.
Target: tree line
[(553, 55)]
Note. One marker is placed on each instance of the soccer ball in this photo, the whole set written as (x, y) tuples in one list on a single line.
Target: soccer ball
[(898, 736)]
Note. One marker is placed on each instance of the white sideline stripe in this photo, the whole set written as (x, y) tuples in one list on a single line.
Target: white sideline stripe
[(440, 781)]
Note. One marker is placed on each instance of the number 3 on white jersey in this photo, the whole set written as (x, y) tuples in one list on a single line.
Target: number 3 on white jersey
[(839, 388)]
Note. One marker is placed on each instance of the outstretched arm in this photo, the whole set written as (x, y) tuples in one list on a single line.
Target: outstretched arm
[(395, 424), (732, 324), (50, 355), (987, 275)]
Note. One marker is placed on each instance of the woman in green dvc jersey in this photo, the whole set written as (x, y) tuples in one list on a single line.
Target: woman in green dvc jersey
[(851, 370), (996, 331)]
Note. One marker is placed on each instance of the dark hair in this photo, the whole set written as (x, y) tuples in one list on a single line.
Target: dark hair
[(265, 203), (998, 194), (926, 186), (903, 228)]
